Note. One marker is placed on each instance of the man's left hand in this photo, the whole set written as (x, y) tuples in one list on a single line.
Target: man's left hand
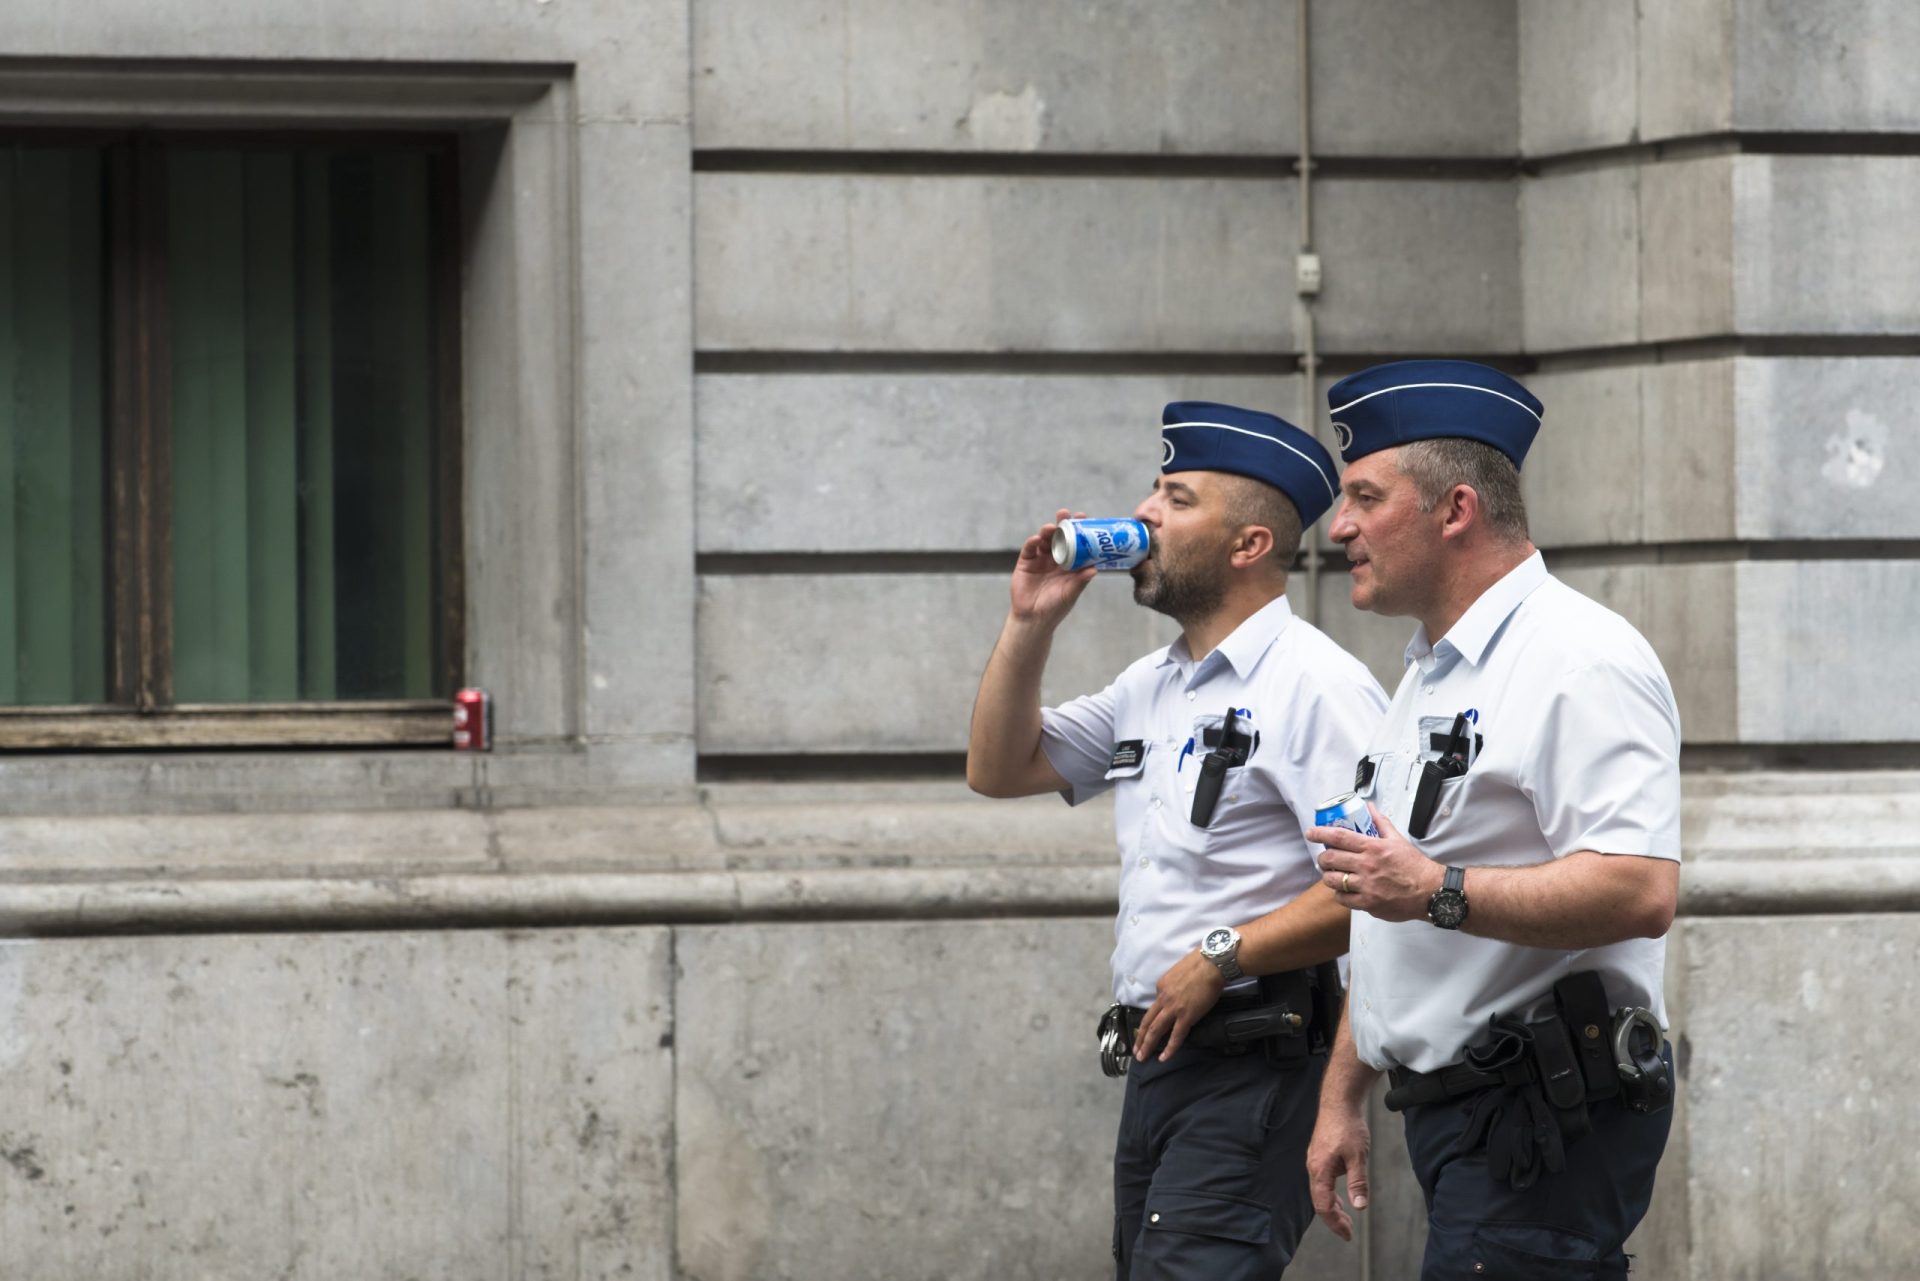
[(1185, 994), (1386, 875)]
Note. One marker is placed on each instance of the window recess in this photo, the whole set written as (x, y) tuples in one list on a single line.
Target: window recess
[(229, 440)]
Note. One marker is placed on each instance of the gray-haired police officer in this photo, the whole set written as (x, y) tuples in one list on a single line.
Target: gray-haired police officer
[(1509, 918), (1218, 749)]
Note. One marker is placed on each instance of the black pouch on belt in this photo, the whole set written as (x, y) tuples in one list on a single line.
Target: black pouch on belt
[(1582, 1002), (1289, 992), (1560, 1077), (1513, 1120)]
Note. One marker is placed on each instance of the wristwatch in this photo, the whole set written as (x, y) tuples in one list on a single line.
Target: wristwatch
[(1222, 946), (1448, 906)]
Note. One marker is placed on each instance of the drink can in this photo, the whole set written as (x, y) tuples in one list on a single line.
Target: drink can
[(1346, 810), (472, 721), (1103, 544)]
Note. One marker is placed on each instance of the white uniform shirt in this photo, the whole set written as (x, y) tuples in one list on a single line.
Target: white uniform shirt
[(1579, 750), (1312, 706)]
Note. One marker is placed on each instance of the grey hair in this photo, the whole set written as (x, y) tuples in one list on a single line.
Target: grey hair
[(1436, 466)]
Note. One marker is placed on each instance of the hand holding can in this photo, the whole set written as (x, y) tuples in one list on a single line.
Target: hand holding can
[(1043, 590)]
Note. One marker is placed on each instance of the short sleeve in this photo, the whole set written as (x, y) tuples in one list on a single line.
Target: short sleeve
[(1604, 771), (1077, 738)]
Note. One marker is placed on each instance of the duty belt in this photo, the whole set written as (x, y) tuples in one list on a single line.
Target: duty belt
[(1582, 1053), (1531, 1082), (1232, 1030), (1287, 1015)]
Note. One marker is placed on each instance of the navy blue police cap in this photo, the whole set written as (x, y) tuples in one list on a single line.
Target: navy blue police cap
[(1411, 400), (1197, 435)]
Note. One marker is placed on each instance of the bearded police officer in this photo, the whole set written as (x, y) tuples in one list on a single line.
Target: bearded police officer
[(1217, 748), (1509, 916)]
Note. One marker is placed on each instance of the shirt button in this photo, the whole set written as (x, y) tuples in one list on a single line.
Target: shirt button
[(1133, 920), (1234, 797), (1429, 689), (1448, 810), (1190, 699), (1154, 1218), (1143, 860)]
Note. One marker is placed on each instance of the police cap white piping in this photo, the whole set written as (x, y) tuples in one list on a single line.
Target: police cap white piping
[(1317, 469), (1461, 386)]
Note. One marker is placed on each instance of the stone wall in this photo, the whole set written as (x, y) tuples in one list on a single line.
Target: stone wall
[(784, 322)]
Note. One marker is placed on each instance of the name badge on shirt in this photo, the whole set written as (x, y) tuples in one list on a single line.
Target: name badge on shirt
[(1127, 758)]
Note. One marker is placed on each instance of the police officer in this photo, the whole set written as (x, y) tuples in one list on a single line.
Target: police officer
[(1218, 749), (1509, 917)]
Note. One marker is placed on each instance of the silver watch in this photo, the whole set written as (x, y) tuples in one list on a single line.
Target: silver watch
[(1222, 946)]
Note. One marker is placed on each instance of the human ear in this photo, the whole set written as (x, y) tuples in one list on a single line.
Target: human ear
[(1254, 542)]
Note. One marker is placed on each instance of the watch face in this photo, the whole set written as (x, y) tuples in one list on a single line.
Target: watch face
[(1217, 941), (1447, 909)]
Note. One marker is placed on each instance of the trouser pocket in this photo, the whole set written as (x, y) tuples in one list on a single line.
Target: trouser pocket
[(1203, 1236), (1531, 1252)]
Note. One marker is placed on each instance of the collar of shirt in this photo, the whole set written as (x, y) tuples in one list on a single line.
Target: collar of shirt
[(1241, 650), (1473, 632)]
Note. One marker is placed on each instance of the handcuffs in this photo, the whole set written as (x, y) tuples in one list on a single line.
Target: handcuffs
[(1646, 1082), (1116, 1042)]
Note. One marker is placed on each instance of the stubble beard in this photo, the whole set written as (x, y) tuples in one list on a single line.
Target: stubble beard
[(1184, 591)]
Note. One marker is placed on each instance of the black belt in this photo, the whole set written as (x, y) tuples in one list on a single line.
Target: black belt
[(1416, 1089), (1296, 1011), (1570, 1056), (1233, 1029)]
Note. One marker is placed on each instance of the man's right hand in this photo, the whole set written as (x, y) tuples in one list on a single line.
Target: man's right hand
[(1043, 592), (1341, 1142)]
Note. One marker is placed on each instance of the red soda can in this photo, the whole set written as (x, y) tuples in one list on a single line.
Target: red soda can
[(472, 721)]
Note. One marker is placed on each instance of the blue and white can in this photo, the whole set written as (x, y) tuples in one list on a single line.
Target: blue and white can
[(1103, 544), (1346, 810)]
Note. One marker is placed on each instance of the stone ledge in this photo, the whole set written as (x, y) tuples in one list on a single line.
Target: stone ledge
[(1760, 844), (1797, 887), (508, 900)]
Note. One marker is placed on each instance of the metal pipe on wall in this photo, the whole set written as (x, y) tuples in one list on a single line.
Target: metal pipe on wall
[(1306, 287), (1306, 282)]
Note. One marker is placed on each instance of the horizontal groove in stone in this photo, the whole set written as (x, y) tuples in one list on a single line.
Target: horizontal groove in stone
[(1608, 555), (1331, 364), (720, 363), (1725, 347), (764, 767), (742, 564), (1867, 759), (858, 162), (1020, 164), (1731, 142), (1586, 556), (778, 564), (1793, 887)]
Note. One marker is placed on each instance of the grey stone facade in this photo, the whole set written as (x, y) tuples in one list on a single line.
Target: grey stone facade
[(783, 321)]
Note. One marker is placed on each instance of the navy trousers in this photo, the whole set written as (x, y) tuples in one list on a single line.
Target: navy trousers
[(1570, 1226), (1210, 1172)]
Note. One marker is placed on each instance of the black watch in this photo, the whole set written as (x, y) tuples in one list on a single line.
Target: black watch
[(1448, 906)]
